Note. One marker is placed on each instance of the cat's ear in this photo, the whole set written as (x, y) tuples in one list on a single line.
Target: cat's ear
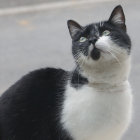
[(73, 27), (118, 18)]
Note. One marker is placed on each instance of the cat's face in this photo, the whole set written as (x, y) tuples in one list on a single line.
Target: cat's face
[(101, 42)]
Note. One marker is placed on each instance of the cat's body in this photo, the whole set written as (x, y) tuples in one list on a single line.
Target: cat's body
[(93, 102)]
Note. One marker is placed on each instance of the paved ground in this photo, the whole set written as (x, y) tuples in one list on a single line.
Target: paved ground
[(34, 40), (15, 3)]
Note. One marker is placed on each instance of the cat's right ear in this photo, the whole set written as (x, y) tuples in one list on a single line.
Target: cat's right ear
[(73, 27)]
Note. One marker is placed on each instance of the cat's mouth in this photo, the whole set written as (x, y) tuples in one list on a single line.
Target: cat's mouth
[(96, 52)]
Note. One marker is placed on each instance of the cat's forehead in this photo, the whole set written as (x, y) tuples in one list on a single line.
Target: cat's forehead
[(95, 28)]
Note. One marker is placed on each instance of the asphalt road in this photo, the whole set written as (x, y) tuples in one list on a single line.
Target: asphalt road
[(41, 39)]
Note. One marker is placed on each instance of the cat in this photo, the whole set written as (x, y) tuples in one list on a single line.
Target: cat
[(92, 102)]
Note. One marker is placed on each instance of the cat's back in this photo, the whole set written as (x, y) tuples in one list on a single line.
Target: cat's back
[(31, 103), (37, 83)]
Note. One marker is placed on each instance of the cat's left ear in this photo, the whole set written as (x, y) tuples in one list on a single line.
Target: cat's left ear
[(73, 27), (118, 18)]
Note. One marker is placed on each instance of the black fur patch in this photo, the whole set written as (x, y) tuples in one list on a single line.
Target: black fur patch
[(77, 80), (95, 54), (30, 109)]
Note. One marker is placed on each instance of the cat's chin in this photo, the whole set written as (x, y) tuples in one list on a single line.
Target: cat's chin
[(104, 70)]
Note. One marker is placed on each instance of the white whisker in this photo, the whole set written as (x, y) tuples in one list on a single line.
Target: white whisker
[(114, 56), (115, 50)]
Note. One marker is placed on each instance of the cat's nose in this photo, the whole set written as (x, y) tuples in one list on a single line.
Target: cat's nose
[(93, 40)]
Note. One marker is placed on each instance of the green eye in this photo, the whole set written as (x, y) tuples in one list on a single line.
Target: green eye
[(106, 33), (82, 39)]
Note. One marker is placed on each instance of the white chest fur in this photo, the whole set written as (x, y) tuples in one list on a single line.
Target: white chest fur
[(97, 112)]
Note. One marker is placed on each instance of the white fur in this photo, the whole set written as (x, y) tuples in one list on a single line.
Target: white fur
[(100, 110), (97, 112)]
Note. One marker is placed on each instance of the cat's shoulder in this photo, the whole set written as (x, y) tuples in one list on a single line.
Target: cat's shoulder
[(45, 73), (39, 80)]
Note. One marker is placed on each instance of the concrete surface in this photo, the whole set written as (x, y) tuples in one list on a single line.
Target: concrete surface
[(16, 3), (41, 39)]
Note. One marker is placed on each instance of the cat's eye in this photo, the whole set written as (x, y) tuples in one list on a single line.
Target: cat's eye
[(106, 33), (82, 39)]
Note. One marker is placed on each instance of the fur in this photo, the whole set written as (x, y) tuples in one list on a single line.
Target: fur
[(97, 111)]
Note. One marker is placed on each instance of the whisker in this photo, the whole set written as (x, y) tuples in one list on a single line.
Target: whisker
[(115, 50), (114, 56)]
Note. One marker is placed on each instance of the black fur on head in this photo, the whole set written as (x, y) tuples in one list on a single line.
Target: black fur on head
[(114, 29)]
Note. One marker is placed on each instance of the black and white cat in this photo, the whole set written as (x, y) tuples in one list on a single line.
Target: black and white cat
[(93, 102)]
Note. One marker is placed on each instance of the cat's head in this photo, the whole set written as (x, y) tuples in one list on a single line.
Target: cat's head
[(101, 43)]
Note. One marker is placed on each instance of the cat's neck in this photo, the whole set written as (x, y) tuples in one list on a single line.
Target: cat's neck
[(109, 74)]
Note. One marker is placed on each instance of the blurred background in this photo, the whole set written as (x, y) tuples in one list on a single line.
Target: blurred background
[(34, 34)]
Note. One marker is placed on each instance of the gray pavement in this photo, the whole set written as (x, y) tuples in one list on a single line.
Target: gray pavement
[(41, 39), (16, 3)]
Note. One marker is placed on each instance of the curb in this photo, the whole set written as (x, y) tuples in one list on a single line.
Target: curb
[(46, 6)]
